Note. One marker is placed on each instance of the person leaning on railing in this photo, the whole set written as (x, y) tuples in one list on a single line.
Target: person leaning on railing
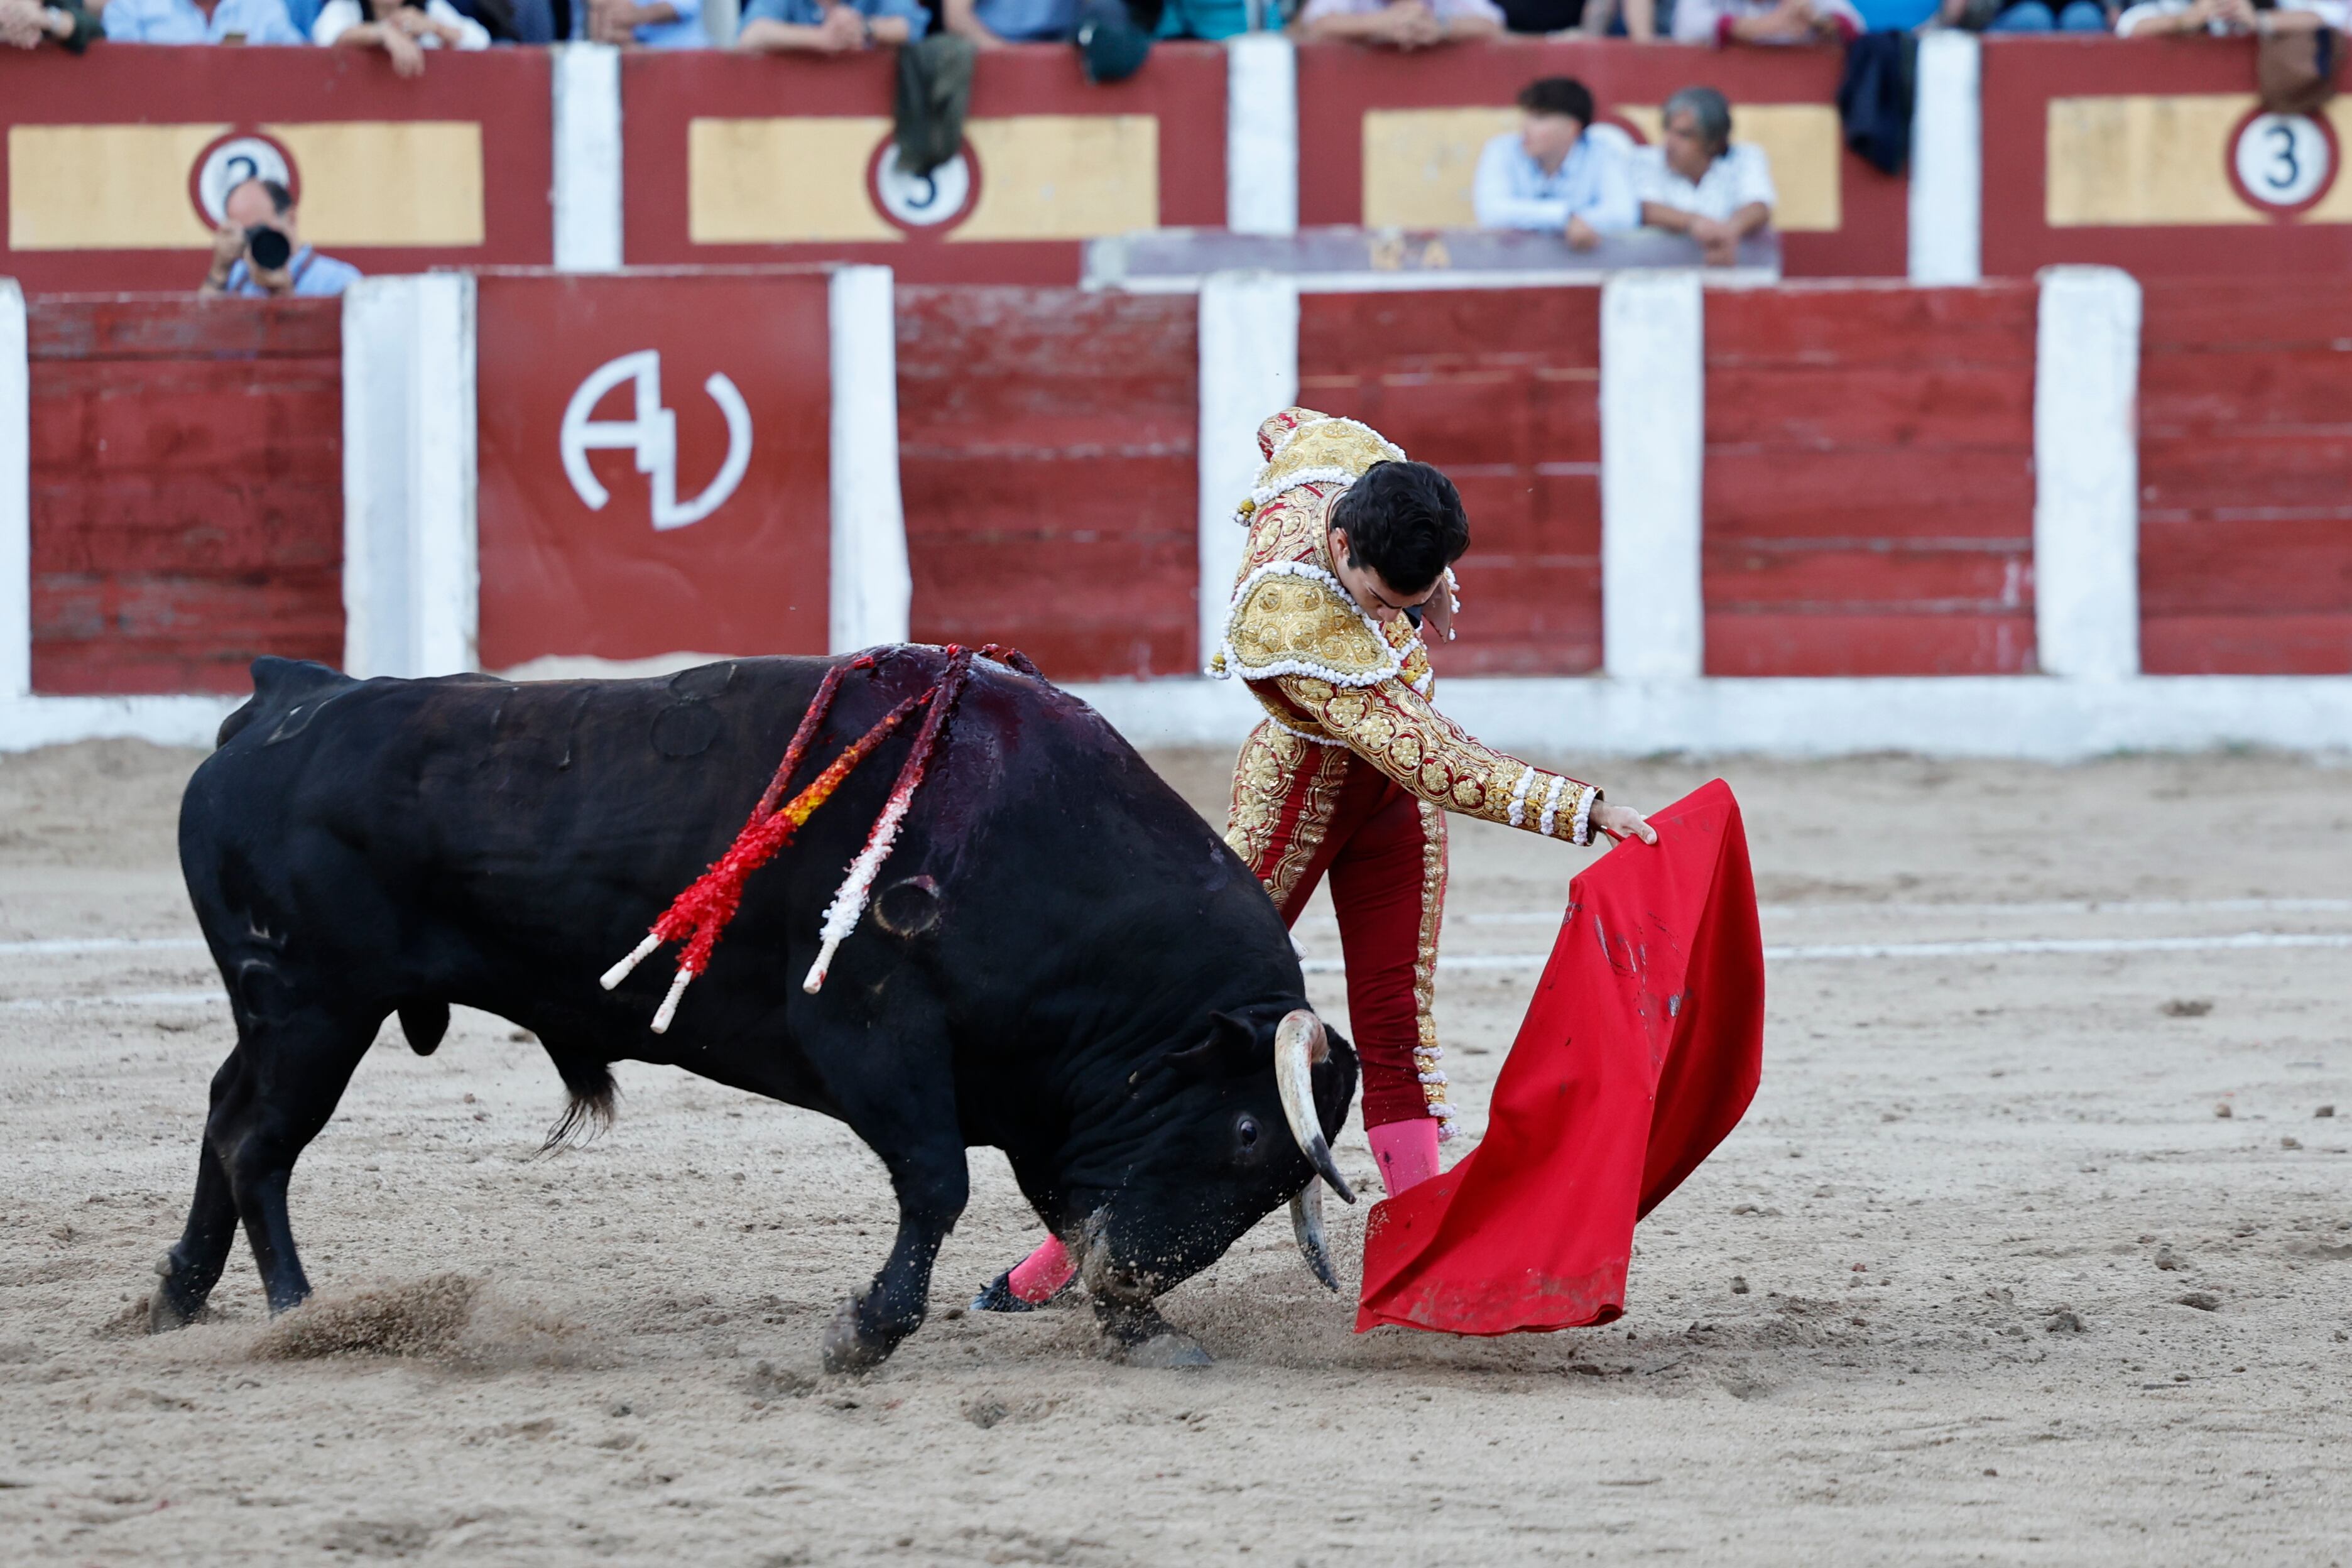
[(1697, 183), (828, 26), (196, 22), (2153, 17), (1401, 24), (1549, 176), (403, 30), (29, 24)]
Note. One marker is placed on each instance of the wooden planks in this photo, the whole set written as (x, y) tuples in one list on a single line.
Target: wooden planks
[(2245, 472), (186, 489), (1047, 457), (1868, 501), (1501, 389)]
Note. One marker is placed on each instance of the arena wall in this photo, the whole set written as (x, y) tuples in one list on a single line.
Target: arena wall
[(2028, 151), (1810, 517)]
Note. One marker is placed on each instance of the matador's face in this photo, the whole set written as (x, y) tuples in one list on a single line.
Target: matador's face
[(1377, 596)]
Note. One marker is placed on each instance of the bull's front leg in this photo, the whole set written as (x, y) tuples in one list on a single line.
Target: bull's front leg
[(933, 1185)]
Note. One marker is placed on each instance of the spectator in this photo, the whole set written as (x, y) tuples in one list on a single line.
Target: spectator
[(403, 30), (2152, 19), (667, 24), (1765, 21), (258, 253), (24, 24), (1698, 184), (989, 23), (1214, 21), (1401, 24), (1635, 19), (1551, 176), (2038, 16), (828, 26), (199, 22)]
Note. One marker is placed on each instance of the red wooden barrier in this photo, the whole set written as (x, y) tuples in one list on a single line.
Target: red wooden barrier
[(113, 157), (2128, 153), (1868, 502), (1340, 85), (1501, 389), (186, 490), (1047, 461), (596, 564), (2245, 472), (736, 158)]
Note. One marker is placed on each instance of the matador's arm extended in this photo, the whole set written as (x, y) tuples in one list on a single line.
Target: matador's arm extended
[(1396, 729)]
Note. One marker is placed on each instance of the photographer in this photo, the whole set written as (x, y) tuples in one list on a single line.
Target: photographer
[(258, 253)]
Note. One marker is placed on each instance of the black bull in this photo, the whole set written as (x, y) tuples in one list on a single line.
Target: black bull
[(1063, 959)]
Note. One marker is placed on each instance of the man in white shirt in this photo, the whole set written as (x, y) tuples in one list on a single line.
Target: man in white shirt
[(1698, 184), (1551, 176)]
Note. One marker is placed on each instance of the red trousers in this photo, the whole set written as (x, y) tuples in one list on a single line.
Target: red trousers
[(1303, 811)]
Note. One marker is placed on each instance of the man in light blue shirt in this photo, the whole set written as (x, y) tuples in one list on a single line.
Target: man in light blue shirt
[(670, 25), (828, 26), (243, 266), (989, 23), (193, 22), (1552, 177)]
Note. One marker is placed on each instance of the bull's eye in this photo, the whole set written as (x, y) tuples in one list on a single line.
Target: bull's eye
[(1246, 1129)]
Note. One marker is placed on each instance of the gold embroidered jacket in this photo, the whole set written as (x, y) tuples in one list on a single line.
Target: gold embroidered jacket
[(1328, 672)]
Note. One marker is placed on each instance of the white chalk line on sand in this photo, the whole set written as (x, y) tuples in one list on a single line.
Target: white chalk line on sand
[(2047, 907), (2015, 947), (68, 944), (131, 999)]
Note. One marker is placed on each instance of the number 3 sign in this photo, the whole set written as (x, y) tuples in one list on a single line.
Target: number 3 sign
[(2283, 164)]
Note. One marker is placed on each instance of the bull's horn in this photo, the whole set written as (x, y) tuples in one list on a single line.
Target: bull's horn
[(1298, 1044), (1307, 1225)]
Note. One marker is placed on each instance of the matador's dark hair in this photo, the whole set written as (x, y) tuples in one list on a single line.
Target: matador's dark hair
[(1405, 521)]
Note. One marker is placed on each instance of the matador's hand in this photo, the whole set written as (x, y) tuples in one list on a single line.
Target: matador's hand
[(1623, 822)]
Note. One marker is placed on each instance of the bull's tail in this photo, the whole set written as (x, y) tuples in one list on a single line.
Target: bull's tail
[(280, 687), (594, 1098)]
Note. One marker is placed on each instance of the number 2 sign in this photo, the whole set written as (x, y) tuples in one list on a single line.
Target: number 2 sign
[(2283, 164)]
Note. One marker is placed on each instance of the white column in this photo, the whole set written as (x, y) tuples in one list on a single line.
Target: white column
[(1261, 134), (2087, 473), (1948, 161), (16, 498), (412, 575), (1249, 369), (1653, 447), (587, 157), (871, 589)]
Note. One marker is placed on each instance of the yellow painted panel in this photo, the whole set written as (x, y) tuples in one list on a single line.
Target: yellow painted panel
[(1418, 163), (388, 182), (781, 181), (2335, 207), (1064, 176), (2141, 159), (105, 187)]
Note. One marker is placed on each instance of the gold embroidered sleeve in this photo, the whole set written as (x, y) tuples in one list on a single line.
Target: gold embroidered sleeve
[(1292, 621), (1396, 729)]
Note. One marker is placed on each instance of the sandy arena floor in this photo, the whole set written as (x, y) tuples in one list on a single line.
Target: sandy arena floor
[(2023, 1257)]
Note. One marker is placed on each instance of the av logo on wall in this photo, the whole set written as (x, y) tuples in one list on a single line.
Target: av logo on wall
[(231, 161), (652, 433), (2283, 164)]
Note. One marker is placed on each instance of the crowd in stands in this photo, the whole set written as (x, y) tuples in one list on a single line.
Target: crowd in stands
[(403, 29)]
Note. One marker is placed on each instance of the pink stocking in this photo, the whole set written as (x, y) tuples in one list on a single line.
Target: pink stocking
[(1037, 1277), (1407, 1151)]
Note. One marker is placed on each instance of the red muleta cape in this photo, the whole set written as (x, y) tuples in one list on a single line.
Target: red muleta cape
[(1638, 1056)]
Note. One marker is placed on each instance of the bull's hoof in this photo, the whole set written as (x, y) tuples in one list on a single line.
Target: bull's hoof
[(848, 1347), (1141, 1337), (165, 1309)]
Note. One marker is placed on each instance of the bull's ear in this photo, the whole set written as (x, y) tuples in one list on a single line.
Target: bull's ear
[(1232, 1049)]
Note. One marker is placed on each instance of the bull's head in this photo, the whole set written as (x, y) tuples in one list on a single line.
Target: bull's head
[(1238, 1124)]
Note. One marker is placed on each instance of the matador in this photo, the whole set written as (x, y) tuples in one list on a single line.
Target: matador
[(1352, 770)]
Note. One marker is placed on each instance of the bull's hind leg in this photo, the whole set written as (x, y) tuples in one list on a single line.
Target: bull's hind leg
[(288, 1072), (192, 1266)]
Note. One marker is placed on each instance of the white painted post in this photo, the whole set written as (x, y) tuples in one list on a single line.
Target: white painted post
[(587, 157), (1946, 216), (1249, 370), (2087, 473), (1261, 134), (1652, 449), (16, 498), (412, 575), (871, 588)]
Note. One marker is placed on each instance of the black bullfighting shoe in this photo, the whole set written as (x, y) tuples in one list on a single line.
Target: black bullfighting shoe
[(997, 1296)]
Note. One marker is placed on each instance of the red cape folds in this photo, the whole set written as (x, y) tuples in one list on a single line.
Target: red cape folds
[(1638, 1056)]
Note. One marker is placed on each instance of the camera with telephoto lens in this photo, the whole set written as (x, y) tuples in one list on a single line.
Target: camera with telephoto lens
[(269, 248)]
